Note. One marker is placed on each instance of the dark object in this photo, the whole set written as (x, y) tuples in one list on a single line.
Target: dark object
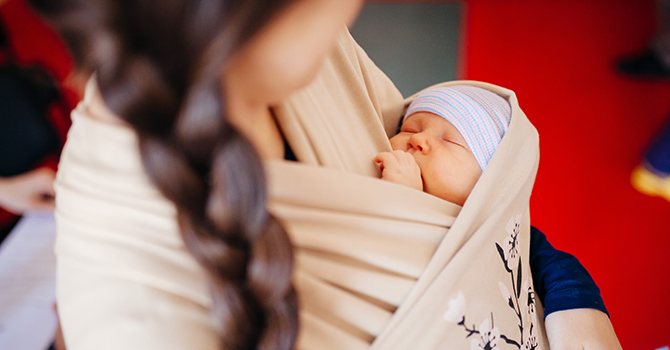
[(644, 65), (657, 156), (26, 134), (7, 228), (4, 42)]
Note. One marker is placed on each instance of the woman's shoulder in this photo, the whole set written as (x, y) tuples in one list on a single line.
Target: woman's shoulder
[(96, 107)]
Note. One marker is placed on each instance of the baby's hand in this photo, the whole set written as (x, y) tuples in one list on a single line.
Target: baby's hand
[(401, 168)]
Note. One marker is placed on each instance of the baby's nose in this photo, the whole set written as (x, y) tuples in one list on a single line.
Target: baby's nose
[(419, 142)]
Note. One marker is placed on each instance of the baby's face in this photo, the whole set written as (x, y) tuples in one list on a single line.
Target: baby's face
[(448, 167)]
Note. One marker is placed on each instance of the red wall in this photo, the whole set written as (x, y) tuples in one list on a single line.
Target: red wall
[(558, 55)]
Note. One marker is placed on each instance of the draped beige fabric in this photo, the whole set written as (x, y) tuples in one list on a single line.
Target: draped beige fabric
[(379, 265)]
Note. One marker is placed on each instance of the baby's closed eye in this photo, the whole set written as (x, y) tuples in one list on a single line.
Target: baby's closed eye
[(454, 141)]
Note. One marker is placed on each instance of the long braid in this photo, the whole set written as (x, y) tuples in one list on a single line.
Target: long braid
[(169, 90)]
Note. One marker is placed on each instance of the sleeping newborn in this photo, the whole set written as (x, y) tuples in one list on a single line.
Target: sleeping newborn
[(447, 138)]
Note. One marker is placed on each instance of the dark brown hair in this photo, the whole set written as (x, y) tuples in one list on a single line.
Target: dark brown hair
[(158, 66)]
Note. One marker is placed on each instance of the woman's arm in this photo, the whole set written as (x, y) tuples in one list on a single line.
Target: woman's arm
[(575, 314), (561, 282), (577, 329), (30, 191)]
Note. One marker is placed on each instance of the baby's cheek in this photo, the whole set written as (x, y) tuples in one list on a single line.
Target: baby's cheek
[(435, 183), (398, 142), (430, 185)]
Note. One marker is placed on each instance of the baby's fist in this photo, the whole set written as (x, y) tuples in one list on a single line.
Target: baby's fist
[(401, 168)]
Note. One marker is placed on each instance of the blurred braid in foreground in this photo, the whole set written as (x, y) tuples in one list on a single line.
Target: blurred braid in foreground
[(159, 66)]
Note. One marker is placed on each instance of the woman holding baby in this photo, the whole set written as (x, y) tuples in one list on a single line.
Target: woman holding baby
[(218, 191)]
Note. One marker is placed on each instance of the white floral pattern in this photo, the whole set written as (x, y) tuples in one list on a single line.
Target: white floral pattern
[(531, 297), (505, 293), (511, 243), (456, 312), (531, 340), (520, 298), (488, 337)]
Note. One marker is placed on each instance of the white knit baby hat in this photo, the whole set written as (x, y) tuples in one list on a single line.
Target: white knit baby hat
[(481, 116)]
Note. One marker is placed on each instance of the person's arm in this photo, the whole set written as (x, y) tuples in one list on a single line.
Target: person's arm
[(575, 314), (561, 282), (30, 191), (580, 329)]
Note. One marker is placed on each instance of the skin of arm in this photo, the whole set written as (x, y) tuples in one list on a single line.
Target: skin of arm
[(576, 316), (30, 191), (578, 329), (401, 168)]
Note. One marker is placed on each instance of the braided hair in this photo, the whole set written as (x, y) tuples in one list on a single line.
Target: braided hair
[(158, 65)]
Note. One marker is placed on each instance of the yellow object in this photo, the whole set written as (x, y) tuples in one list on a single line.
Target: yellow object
[(649, 183)]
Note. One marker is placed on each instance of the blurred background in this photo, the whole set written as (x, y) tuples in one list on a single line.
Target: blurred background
[(594, 124)]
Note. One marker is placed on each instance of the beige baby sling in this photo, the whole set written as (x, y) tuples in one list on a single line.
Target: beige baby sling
[(379, 265)]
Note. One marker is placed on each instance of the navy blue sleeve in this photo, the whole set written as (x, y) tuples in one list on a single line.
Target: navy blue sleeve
[(561, 282)]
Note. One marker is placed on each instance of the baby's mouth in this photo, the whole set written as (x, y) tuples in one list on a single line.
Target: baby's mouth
[(415, 153)]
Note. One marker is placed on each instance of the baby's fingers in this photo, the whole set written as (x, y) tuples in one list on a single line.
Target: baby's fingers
[(401, 168), (404, 158), (386, 159)]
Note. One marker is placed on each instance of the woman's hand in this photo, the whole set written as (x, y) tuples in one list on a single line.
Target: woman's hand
[(401, 168), (577, 329), (33, 190)]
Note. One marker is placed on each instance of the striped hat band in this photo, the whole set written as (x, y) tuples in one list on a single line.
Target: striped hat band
[(481, 116)]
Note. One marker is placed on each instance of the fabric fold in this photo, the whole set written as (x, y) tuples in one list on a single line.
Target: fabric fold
[(378, 265), (443, 251)]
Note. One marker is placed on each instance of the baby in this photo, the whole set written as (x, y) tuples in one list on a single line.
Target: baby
[(447, 138)]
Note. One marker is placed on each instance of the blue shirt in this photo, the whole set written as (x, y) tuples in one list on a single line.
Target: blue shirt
[(561, 282)]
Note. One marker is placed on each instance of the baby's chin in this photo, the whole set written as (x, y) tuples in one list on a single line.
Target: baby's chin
[(443, 193)]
